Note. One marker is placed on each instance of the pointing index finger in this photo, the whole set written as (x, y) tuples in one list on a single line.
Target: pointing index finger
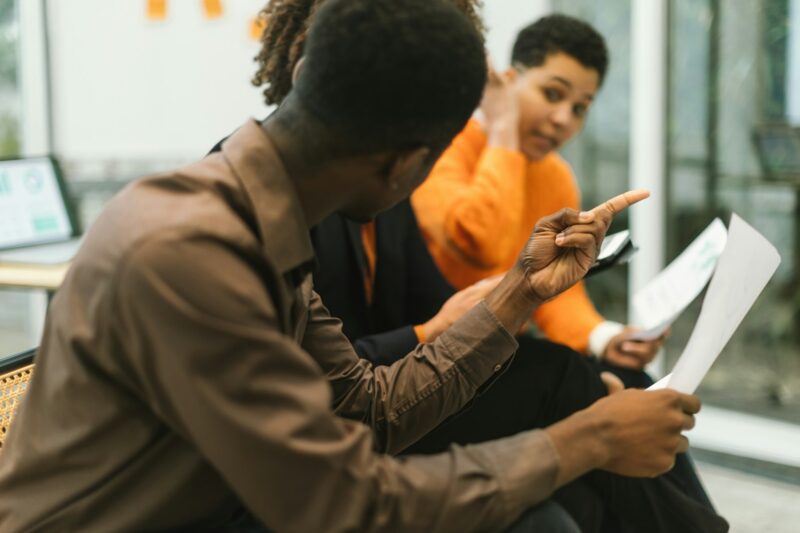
[(623, 201)]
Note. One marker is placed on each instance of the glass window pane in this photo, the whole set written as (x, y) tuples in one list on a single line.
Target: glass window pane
[(730, 65), (599, 154), (13, 304), (734, 70)]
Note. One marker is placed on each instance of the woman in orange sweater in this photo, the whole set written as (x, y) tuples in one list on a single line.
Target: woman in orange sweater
[(502, 174)]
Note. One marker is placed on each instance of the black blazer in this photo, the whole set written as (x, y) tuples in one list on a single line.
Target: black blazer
[(408, 286)]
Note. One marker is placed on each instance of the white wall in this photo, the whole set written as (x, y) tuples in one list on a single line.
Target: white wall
[(504, 18), (128, 87), (125, 87)]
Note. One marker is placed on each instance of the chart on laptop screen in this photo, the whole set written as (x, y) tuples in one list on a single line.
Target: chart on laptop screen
[(32, 208)]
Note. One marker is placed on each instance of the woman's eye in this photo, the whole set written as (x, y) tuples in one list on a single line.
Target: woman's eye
[(552, 95), (579, 110)]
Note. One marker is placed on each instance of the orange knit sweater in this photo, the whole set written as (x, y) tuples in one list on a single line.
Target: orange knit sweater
[(477, 209)]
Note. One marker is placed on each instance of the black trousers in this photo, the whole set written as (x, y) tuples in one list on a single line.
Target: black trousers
[(548, 517), (545, 383)]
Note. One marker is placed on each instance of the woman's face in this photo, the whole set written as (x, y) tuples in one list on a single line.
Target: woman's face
[(554, 99)]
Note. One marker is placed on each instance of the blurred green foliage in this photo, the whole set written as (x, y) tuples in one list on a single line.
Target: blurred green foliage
[(9, 121)]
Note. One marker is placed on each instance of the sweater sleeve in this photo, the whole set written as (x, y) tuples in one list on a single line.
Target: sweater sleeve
[(472, 195)]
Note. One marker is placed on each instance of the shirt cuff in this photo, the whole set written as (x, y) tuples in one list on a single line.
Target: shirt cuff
[(601, 335), (526, 466)]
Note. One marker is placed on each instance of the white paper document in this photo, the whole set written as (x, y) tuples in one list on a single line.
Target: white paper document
[(743, 270), (663, 299)]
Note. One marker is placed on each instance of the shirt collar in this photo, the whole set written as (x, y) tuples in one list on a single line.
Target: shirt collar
[(281, 223)]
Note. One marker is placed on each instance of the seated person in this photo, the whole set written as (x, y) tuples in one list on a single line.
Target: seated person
[(379, 278), (501, 174), (190, 378)]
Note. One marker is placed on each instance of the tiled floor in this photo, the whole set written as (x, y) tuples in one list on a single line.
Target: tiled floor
[(752, 504)]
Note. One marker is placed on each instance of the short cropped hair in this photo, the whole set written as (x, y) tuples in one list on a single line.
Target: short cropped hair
[(392, 73), (282, 42), (561, 33)]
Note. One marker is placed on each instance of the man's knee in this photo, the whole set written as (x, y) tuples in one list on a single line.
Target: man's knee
[(548, 516)]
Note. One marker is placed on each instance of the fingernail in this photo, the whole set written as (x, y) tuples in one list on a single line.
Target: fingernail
[(560, 238), (586, 216)]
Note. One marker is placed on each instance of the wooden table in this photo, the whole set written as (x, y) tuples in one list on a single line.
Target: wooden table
[(43, 280), (25, 276)]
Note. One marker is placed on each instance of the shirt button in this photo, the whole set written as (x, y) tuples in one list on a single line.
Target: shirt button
[(498, 367)]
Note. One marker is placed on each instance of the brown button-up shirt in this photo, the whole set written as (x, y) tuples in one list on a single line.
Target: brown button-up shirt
[(188, 367)]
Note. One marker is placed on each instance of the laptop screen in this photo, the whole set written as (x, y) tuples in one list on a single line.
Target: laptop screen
[(32, 205)]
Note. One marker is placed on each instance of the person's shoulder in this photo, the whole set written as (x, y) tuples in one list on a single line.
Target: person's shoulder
[(474, 130), (192, 203), (193, 266), (471, 139)]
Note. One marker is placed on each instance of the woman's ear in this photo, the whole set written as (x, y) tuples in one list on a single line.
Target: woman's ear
[(298, 67), (510, 74)]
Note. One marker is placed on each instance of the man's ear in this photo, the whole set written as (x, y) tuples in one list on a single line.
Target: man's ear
[(297, 68), (404, 167)]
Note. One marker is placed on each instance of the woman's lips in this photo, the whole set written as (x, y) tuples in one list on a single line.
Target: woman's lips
[(543, 142)]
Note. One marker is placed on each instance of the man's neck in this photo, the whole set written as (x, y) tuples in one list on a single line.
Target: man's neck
[(315, 183)]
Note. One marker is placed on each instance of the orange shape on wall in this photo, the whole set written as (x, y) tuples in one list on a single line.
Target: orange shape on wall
[(212, 8), (156, 9)]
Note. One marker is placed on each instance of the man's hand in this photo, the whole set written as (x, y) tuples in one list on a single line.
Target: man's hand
[(627, 353), (642, 429), (563, 246), (458, 304), (558, 254), (632, 432)]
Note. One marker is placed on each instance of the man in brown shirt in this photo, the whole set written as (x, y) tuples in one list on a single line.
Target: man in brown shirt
[(188, 371)]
